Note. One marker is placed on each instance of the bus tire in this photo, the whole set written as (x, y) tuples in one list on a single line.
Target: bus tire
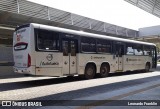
[(147, 67), (104, 70), (70, 77), (90, 71), (27, 75)]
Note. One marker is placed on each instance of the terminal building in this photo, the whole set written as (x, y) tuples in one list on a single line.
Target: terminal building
[(17, 12)]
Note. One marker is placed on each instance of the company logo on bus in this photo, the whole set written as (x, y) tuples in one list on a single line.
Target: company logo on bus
[(49, 57)]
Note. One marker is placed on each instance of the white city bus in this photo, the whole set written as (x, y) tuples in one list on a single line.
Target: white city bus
[(53, 51)]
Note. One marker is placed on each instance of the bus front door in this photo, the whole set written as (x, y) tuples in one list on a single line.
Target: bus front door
[(119, 56), (69, 48)]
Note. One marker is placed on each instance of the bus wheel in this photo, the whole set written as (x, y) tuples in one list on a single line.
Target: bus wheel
[(70, 77), (90, 71), (104, 70), (27, 75), (147, 67)]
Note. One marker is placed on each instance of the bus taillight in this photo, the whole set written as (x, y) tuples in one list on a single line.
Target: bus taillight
[(29, 60)]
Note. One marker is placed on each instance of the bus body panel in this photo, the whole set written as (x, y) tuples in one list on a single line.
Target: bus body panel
[(29, 60), (21, 50), (21, 41), (49, 63), (131, 63), (49, 71), (98, 59), (24, 56)]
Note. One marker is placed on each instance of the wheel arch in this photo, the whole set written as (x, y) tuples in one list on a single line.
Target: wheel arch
[(92, 63)]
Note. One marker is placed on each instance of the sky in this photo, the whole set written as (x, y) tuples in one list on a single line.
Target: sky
[(117, 12)]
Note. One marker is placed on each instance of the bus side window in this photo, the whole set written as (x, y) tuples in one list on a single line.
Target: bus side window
[(88, 44), (47, 40), (48, 44), (103, 46), (39, 42), (138, 49), (129, 49), (65, 48), (147, 50), (73, 48)]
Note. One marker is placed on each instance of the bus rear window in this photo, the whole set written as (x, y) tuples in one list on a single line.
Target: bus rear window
[(20, 46)]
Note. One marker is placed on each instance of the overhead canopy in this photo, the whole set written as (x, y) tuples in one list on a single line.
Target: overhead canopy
[(18, 12), (149, 34), (151, 6)]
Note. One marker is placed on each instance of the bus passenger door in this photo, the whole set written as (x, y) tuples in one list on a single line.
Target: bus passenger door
[(69, 56), (119, 51)]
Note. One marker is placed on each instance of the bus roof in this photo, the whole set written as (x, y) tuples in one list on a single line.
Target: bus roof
[(81, 33)]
